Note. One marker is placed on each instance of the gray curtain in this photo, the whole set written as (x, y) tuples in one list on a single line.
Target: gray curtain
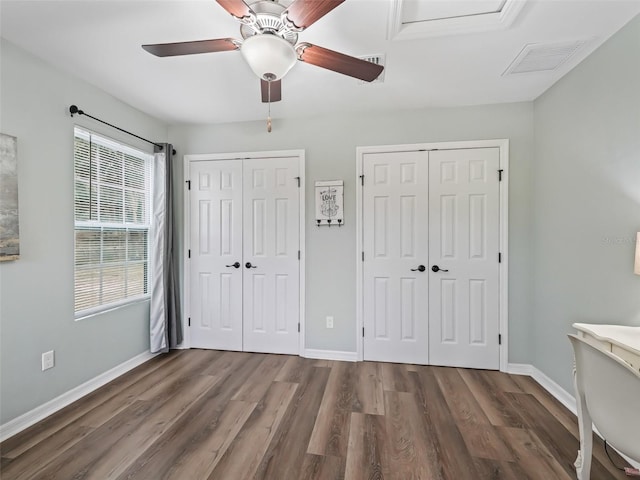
[(165, 322)]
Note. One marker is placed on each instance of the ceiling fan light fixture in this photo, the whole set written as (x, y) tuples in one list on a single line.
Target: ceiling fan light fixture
[(269, 56)]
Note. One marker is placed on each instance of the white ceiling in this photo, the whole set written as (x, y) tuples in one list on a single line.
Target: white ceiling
[(99, 41)]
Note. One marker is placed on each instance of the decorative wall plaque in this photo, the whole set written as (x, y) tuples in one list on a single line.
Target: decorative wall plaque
[(330, 203)]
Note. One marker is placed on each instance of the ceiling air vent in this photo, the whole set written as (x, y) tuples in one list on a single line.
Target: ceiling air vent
[(540, 57), (378, 60)]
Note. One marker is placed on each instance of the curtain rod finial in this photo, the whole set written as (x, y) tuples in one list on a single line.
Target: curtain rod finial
[(74, 109)]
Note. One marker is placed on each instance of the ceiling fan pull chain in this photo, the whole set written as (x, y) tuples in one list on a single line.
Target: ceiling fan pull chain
[(269, 104)]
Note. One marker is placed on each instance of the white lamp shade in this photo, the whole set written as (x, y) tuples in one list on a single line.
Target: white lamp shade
[(268, 54), (636, 268)]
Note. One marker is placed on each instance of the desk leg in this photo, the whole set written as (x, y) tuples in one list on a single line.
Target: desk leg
[(585, 426)]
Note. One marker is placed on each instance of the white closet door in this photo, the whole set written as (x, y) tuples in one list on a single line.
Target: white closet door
[(463, 244), (216, 243), (395, 236), (270, 261)]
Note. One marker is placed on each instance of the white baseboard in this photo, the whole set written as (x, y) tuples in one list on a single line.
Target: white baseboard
[(41, 412), (519, 369), (559, 393), (564, 397), (331, 355), (549, 385)]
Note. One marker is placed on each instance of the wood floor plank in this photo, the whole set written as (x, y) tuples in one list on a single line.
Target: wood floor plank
[(330, 433), (496, 470), (369, 393), (4, 463), (560, 442), (74, 462), (502, 381), (562, 414), (34, 459), (129, 435), (395, 377), (205, 430), (492, 400), (174, 458), (286, 453), (243, 457), (226, 362), (479, 435), (408, 452), (260, 380), (454, 459), (154, 426), (532, 455), (322, 467), (568, 420), (180, 371), (462, 404), (148, 388), (323, 363), (296, 370), (365, 456), (484, 441)]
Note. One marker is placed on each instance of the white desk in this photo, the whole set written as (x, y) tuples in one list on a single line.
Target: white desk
[(623, 343)]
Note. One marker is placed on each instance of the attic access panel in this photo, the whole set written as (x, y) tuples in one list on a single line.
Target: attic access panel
[(430, 10), (413, 19)]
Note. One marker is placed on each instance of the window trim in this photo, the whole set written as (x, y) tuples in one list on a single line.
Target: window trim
[(110, 143), (110, 307)]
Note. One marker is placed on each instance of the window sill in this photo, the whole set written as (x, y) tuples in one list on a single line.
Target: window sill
[(93, 312)]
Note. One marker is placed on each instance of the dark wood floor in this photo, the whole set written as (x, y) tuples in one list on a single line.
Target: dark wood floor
[(196, 414)]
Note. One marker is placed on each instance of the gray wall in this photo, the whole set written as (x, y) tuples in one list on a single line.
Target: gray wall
[(587, 200), (36, 297), (330, 144)]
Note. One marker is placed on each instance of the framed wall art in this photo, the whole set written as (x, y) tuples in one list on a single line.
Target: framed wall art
[(9, 220)]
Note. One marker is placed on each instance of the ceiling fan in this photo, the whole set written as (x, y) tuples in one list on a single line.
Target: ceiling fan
[(270, 32)]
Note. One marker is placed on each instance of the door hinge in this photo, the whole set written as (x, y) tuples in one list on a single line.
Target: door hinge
[(499, 339), (298, 328), (500, 175), (189, 324), (363, 331), (298, 179), (499, 257), (298, 254), (189, 253), (362, 180), (188, 182), (363, 256)]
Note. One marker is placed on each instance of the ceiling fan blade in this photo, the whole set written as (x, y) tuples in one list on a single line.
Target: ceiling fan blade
[(303, 13), (190, 48), (338, 62), (237, 8), (276, 91)]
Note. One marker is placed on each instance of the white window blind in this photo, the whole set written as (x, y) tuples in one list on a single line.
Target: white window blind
[(112, 216)]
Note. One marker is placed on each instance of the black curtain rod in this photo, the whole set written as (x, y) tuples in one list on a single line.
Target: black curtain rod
[(73, 109)]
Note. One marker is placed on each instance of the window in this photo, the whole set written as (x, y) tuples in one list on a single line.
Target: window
[(112, 215)]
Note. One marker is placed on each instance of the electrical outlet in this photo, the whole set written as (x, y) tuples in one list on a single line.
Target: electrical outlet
[(329, 322), (47, 360)]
